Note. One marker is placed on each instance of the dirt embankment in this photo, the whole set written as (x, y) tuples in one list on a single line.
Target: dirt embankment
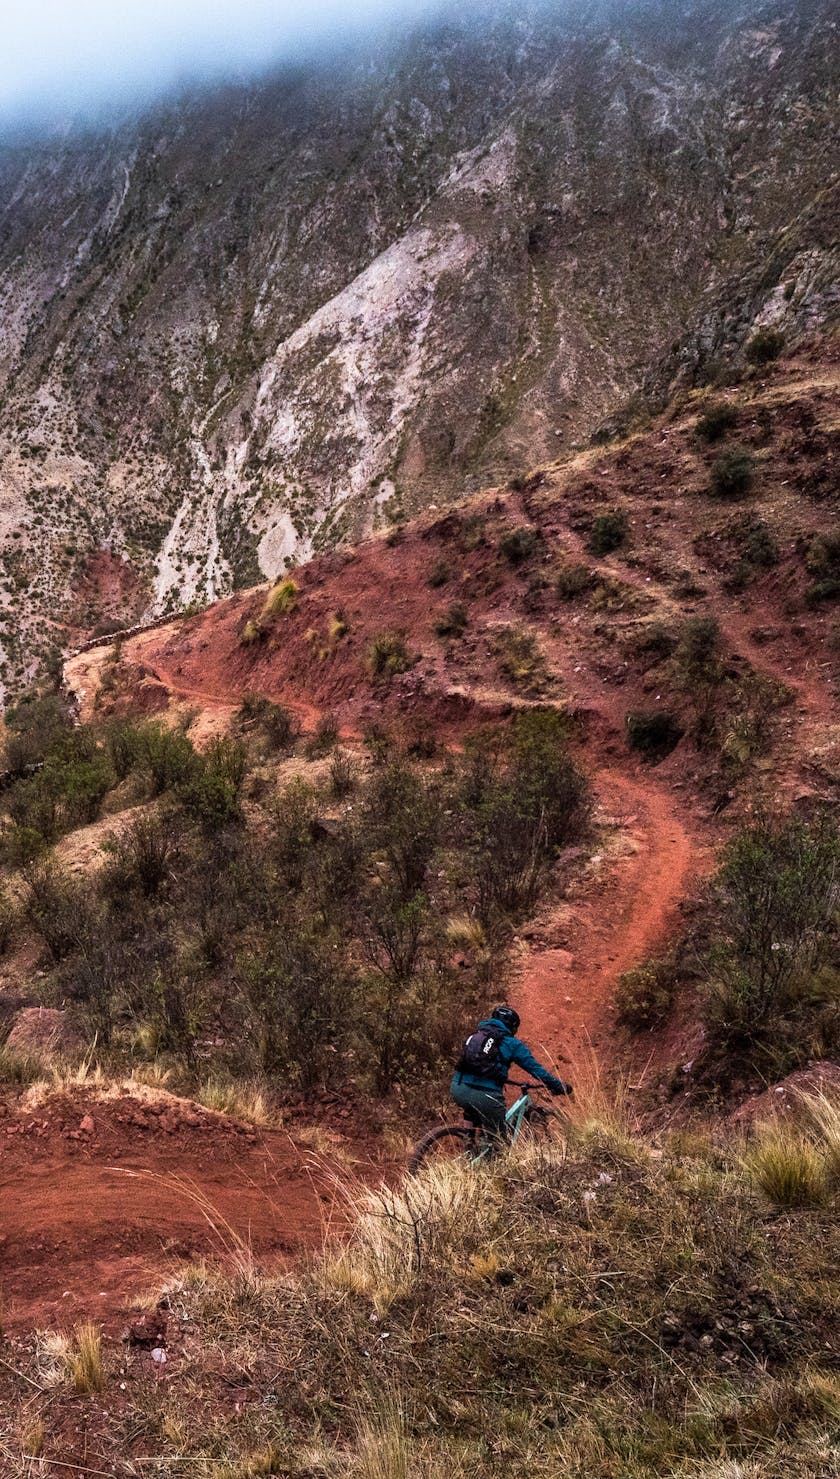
[(99, 1196)]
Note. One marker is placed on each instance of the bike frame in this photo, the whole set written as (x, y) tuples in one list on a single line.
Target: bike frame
[(514, 1119)]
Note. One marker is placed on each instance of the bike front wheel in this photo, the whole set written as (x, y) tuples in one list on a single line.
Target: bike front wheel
[(544, 1126), (446, 1143)]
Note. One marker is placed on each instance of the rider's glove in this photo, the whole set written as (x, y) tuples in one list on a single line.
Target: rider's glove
[(558, 1087)]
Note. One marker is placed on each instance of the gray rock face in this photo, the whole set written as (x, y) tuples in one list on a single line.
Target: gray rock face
[(260, 320)]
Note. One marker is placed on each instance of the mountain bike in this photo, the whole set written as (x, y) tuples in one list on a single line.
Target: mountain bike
[(471, 1143)]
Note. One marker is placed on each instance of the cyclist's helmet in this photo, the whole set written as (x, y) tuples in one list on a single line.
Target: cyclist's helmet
[(508, 1016)]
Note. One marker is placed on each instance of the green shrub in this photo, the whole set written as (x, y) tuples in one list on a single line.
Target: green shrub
[(517, 545), (775, 899), (276, 725), (756, 543), (698, 646), (732, 473), (454, 622), (717, 419), (342, 775), (765, 346), (33, 726), (439, 574), (573, 581), (608, 532), (644, 995), (324, 737), (388, 654), (168, 757), (525, 799), (252, 633), (59, 908), (124, 747), (654, 733), (212, 790), (142, 856), (822, 559)]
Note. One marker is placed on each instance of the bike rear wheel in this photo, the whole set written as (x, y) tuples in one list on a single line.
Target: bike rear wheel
[(446, 1143)]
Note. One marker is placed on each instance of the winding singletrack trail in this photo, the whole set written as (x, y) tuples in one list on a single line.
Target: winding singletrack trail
[(622, 913)]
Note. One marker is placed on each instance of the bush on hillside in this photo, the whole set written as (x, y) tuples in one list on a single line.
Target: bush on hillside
[(732, 473), (388, 654), (525, 799), (608, 532), (644, 995), (324, 738), (573, 581), (775, 902), (33, 726), (453, 622), (520, 658), (654, 733), (167, 756), (717, 419), (517, 545), (212, 789), (282, 600), (274, 724), (765, 346)]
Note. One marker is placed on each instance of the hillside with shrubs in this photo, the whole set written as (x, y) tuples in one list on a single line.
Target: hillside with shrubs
[(573, 741)]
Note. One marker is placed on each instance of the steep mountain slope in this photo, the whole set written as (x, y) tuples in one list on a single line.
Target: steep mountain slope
[(260, 320)]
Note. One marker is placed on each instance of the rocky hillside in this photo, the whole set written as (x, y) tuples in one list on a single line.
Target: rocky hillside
[(258, 321)]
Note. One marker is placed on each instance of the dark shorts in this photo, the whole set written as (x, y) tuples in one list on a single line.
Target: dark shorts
[(482, 1107)]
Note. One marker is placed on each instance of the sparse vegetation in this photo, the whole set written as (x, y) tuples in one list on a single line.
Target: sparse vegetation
[(644, 996), (454, 621), (711, 1355), (774, 910), (282, 600), (517, 545), (572, 581), (520, 658)]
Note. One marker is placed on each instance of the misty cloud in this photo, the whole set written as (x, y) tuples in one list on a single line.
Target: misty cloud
[(60, 55)]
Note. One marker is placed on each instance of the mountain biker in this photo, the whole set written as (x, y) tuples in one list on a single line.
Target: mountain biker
[(482, 1070)]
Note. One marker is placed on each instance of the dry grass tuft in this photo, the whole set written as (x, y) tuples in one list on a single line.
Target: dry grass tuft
[(85, 1367), (239, 1101), (787, 1166)]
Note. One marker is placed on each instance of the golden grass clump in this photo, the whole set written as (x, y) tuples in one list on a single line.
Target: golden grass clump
[(282, 600), (239, 1101), (788, 1167), (84, 1363)]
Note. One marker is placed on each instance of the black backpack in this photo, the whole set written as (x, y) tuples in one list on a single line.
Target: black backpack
[(481, 1055)]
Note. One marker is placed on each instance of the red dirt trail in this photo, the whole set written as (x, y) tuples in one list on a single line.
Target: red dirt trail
[(565, 984)]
